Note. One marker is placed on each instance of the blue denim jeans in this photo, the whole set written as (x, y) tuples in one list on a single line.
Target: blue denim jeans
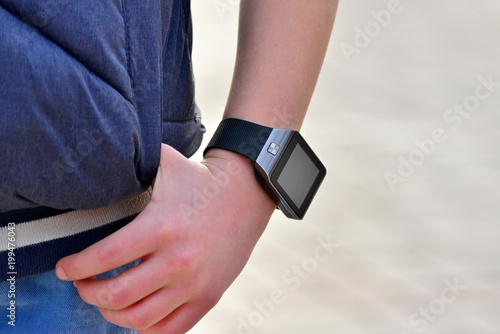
[(45, 304)]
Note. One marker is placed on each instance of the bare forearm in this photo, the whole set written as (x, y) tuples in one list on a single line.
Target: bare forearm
[(281, 47)]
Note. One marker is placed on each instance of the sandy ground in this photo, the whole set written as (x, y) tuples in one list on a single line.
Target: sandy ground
[(407, 126)]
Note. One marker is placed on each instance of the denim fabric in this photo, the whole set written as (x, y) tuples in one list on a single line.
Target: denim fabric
[(88, 92), (45, 304)]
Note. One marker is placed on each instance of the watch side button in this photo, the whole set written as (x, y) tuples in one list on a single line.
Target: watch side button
[(273, 148)]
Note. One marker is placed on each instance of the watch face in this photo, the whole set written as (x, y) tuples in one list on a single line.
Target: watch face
[(298, 175)]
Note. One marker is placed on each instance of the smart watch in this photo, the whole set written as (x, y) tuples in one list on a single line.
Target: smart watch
[(286, 165)]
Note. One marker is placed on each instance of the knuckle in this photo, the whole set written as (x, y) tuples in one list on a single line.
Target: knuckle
[(163, 233), (202, 290), (121, 293), (103, 297), (107, 252), (137, 320), (116, 300), (187, 263), (111, 299)]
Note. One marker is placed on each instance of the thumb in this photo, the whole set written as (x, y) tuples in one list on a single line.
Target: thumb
[(173, 166)]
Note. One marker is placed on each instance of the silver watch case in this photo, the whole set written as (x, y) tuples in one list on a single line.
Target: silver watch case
[(272, 161)]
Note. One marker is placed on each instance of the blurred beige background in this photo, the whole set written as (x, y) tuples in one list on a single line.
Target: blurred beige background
[(420, 257)]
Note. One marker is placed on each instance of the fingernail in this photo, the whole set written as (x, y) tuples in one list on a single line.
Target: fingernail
[(61, 274)]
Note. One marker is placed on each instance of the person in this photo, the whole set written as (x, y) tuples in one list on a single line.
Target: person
[(97, 104)]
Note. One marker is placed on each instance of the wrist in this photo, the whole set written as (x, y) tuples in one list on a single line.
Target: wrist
[(242, 172), (289, 169)]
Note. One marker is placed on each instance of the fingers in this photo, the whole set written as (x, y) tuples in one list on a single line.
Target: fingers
[(130, 286), (131, 300), (182, 319), (131, 242), (147, 311), (134, 301)]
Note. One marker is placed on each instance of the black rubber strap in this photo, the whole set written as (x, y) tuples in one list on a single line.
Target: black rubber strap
[(240, 136)]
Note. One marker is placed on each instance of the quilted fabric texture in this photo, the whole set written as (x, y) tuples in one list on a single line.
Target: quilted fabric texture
[(88, 92)]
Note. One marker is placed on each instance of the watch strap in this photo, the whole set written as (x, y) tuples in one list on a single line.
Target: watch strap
[(240, 136)]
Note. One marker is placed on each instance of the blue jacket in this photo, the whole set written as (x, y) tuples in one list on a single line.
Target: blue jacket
[(88, 92)]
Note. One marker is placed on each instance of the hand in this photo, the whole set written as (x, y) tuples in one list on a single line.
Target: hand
[(193, 238)]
